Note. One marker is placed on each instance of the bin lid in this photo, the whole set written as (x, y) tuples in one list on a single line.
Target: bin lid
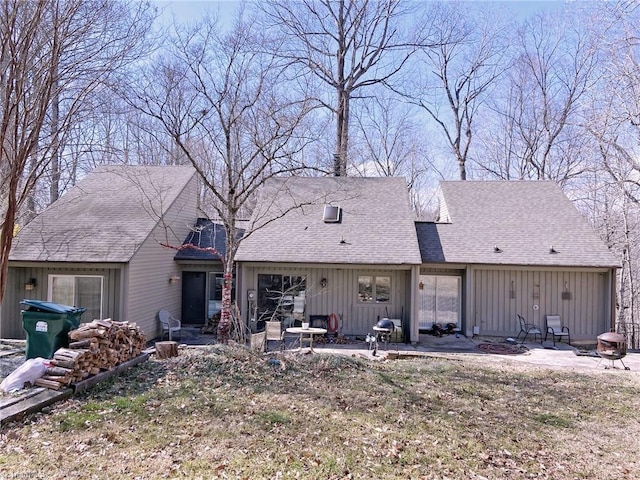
[(49, 307)]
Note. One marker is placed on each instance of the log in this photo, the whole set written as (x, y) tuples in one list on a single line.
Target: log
[(59, 371), (166, 349), (62, 380), (70, 354), (82, 333), (63, 363), (106, 323), (86, 343), (40, 382)]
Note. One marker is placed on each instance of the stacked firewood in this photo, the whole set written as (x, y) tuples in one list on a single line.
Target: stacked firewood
[(93, 347)]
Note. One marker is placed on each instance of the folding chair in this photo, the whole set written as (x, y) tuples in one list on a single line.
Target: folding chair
[(528, 329), (556, 329), (274, 333)]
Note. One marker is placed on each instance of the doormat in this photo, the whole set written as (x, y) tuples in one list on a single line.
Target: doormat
[(501, 349)]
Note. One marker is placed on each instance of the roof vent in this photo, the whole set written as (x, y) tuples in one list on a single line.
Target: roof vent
[(332, 214)]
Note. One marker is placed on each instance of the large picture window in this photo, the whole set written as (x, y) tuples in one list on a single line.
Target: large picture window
[(276, 295), (374, 288), (78, 291)]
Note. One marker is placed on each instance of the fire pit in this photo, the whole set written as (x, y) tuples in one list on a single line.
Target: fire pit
[(612, 346)]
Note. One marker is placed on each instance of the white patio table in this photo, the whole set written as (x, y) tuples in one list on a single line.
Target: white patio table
[(311, 331)]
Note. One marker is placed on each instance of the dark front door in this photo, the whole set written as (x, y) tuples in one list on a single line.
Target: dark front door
[(194, 298)]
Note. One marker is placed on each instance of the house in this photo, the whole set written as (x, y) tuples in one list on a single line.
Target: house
[(347, 245), (99, 247), (503, 248), (325, 248), (498, 249)]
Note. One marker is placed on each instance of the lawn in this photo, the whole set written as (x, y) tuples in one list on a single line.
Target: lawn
[(225, 412)]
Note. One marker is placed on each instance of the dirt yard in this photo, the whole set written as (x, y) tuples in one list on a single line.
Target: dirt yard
[(224, 412)]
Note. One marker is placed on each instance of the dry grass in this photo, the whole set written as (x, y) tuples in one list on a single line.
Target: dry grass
[(225, 412)]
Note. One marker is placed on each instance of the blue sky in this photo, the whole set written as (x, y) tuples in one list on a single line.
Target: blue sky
[(192, 10)]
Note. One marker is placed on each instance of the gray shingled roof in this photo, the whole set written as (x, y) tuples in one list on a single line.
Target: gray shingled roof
[(377, 222), (104, 218), (524, 219)]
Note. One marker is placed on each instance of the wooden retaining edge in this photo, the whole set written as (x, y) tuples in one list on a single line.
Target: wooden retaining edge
[(9, 353), (33, 404), (7, 402), (35, 400)]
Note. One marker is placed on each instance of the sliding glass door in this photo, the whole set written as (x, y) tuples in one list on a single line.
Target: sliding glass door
[(439, 301)]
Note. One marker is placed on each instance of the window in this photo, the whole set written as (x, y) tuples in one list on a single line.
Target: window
[(216, 282), (276, 293), (78, 291), (374, 288)]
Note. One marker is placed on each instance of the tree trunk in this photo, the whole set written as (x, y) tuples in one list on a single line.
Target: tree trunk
[(54, 187), (6, 234), (462, 169), (340, 158), (224, 326)]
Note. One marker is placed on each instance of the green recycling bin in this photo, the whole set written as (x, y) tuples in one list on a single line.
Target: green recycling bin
[(48, 325)]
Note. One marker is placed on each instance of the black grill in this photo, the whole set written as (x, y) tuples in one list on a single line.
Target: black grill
[(384, 325)]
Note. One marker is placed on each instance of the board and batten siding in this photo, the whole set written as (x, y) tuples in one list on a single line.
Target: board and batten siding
[(11, 325), (340, 296), (147, 289), (499, 295)]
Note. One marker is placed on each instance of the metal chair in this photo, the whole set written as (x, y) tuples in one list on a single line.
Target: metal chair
[(528, 329), (274, 333), (556, 329), (170, 324)]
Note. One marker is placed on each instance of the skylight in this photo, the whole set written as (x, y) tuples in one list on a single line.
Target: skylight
[(331, 214)]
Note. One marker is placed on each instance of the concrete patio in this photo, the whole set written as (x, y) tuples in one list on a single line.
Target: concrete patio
[(546, 355)]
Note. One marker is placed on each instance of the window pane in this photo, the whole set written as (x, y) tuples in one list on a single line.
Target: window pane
[(383, 289), (89, 296), (448, 299), (365, 288), (427, 302), (216, 281), (81, 291), (268, 288), (62, 290)]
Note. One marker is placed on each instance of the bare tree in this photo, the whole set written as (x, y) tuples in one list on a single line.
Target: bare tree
[(389, 142), (52, 52), (615, 125), (347, 45), (540, 134), (466, 60), (228, 109)]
